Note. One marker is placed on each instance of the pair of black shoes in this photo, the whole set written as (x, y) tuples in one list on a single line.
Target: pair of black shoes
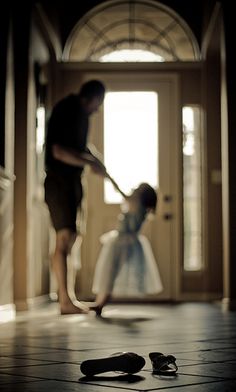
[(130, 363)]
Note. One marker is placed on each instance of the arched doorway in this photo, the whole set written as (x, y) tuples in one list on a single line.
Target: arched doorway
[(143, 28), (141, 25)]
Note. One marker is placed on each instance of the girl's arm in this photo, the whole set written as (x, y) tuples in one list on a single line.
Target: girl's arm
[(97, 155), (116, 186)]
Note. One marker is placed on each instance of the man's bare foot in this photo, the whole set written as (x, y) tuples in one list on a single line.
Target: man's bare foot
[(74, 308)]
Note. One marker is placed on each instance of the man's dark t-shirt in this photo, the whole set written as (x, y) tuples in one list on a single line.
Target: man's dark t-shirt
[(67, 127)]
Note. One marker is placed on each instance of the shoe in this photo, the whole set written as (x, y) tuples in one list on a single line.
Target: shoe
[(126, 362), (163, 364)]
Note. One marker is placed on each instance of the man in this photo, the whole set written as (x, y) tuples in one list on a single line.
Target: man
[(66, 156)]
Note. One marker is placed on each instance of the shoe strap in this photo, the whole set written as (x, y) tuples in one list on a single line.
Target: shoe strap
[(164, 360)]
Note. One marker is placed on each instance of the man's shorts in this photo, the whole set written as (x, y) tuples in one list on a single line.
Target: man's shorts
[(63, 195)]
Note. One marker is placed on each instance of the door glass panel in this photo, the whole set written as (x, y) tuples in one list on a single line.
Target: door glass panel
[(192, 189), (130, 55), (130, 140), (40, 140)]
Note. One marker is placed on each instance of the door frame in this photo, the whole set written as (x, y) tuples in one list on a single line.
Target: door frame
[(81, 73)]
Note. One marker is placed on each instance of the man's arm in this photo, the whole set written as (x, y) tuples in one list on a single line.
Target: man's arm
[(74, 158), (97, 156)]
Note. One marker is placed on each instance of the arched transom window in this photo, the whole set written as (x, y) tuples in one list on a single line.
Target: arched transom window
[(141, 30)]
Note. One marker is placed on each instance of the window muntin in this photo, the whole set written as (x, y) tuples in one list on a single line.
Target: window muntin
[(192, 189), (142, 25)]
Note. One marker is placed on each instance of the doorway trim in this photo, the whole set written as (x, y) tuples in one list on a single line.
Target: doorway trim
[(67, 73), (105, 73)]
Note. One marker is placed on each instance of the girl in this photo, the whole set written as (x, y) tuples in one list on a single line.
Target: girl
[(126, 265)]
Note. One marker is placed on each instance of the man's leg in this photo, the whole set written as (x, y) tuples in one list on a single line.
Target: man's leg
[(65, 239)]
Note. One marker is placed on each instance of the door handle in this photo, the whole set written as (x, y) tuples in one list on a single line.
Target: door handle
[(167, 216), (167, 198)]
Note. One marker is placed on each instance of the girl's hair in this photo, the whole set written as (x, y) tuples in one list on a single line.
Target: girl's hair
[(148, 196)]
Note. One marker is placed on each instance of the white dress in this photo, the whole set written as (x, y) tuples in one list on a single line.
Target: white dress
[(126, 266)]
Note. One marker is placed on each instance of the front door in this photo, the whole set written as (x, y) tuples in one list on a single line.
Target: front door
[(161, 161)]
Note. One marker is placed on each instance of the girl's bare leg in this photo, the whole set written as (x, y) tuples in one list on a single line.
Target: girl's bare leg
[(101, 300)]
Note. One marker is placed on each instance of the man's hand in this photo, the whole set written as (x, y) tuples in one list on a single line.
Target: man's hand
[(98, 168), (80, 159)]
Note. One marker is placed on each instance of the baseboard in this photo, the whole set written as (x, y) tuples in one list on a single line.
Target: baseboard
[(201, 297), (39, 301), (21, 305), (132, 300), (183, 297), (229, 304), (32, 303), (7, 313)]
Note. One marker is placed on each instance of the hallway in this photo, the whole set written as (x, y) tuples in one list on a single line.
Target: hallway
[(42, 351)]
